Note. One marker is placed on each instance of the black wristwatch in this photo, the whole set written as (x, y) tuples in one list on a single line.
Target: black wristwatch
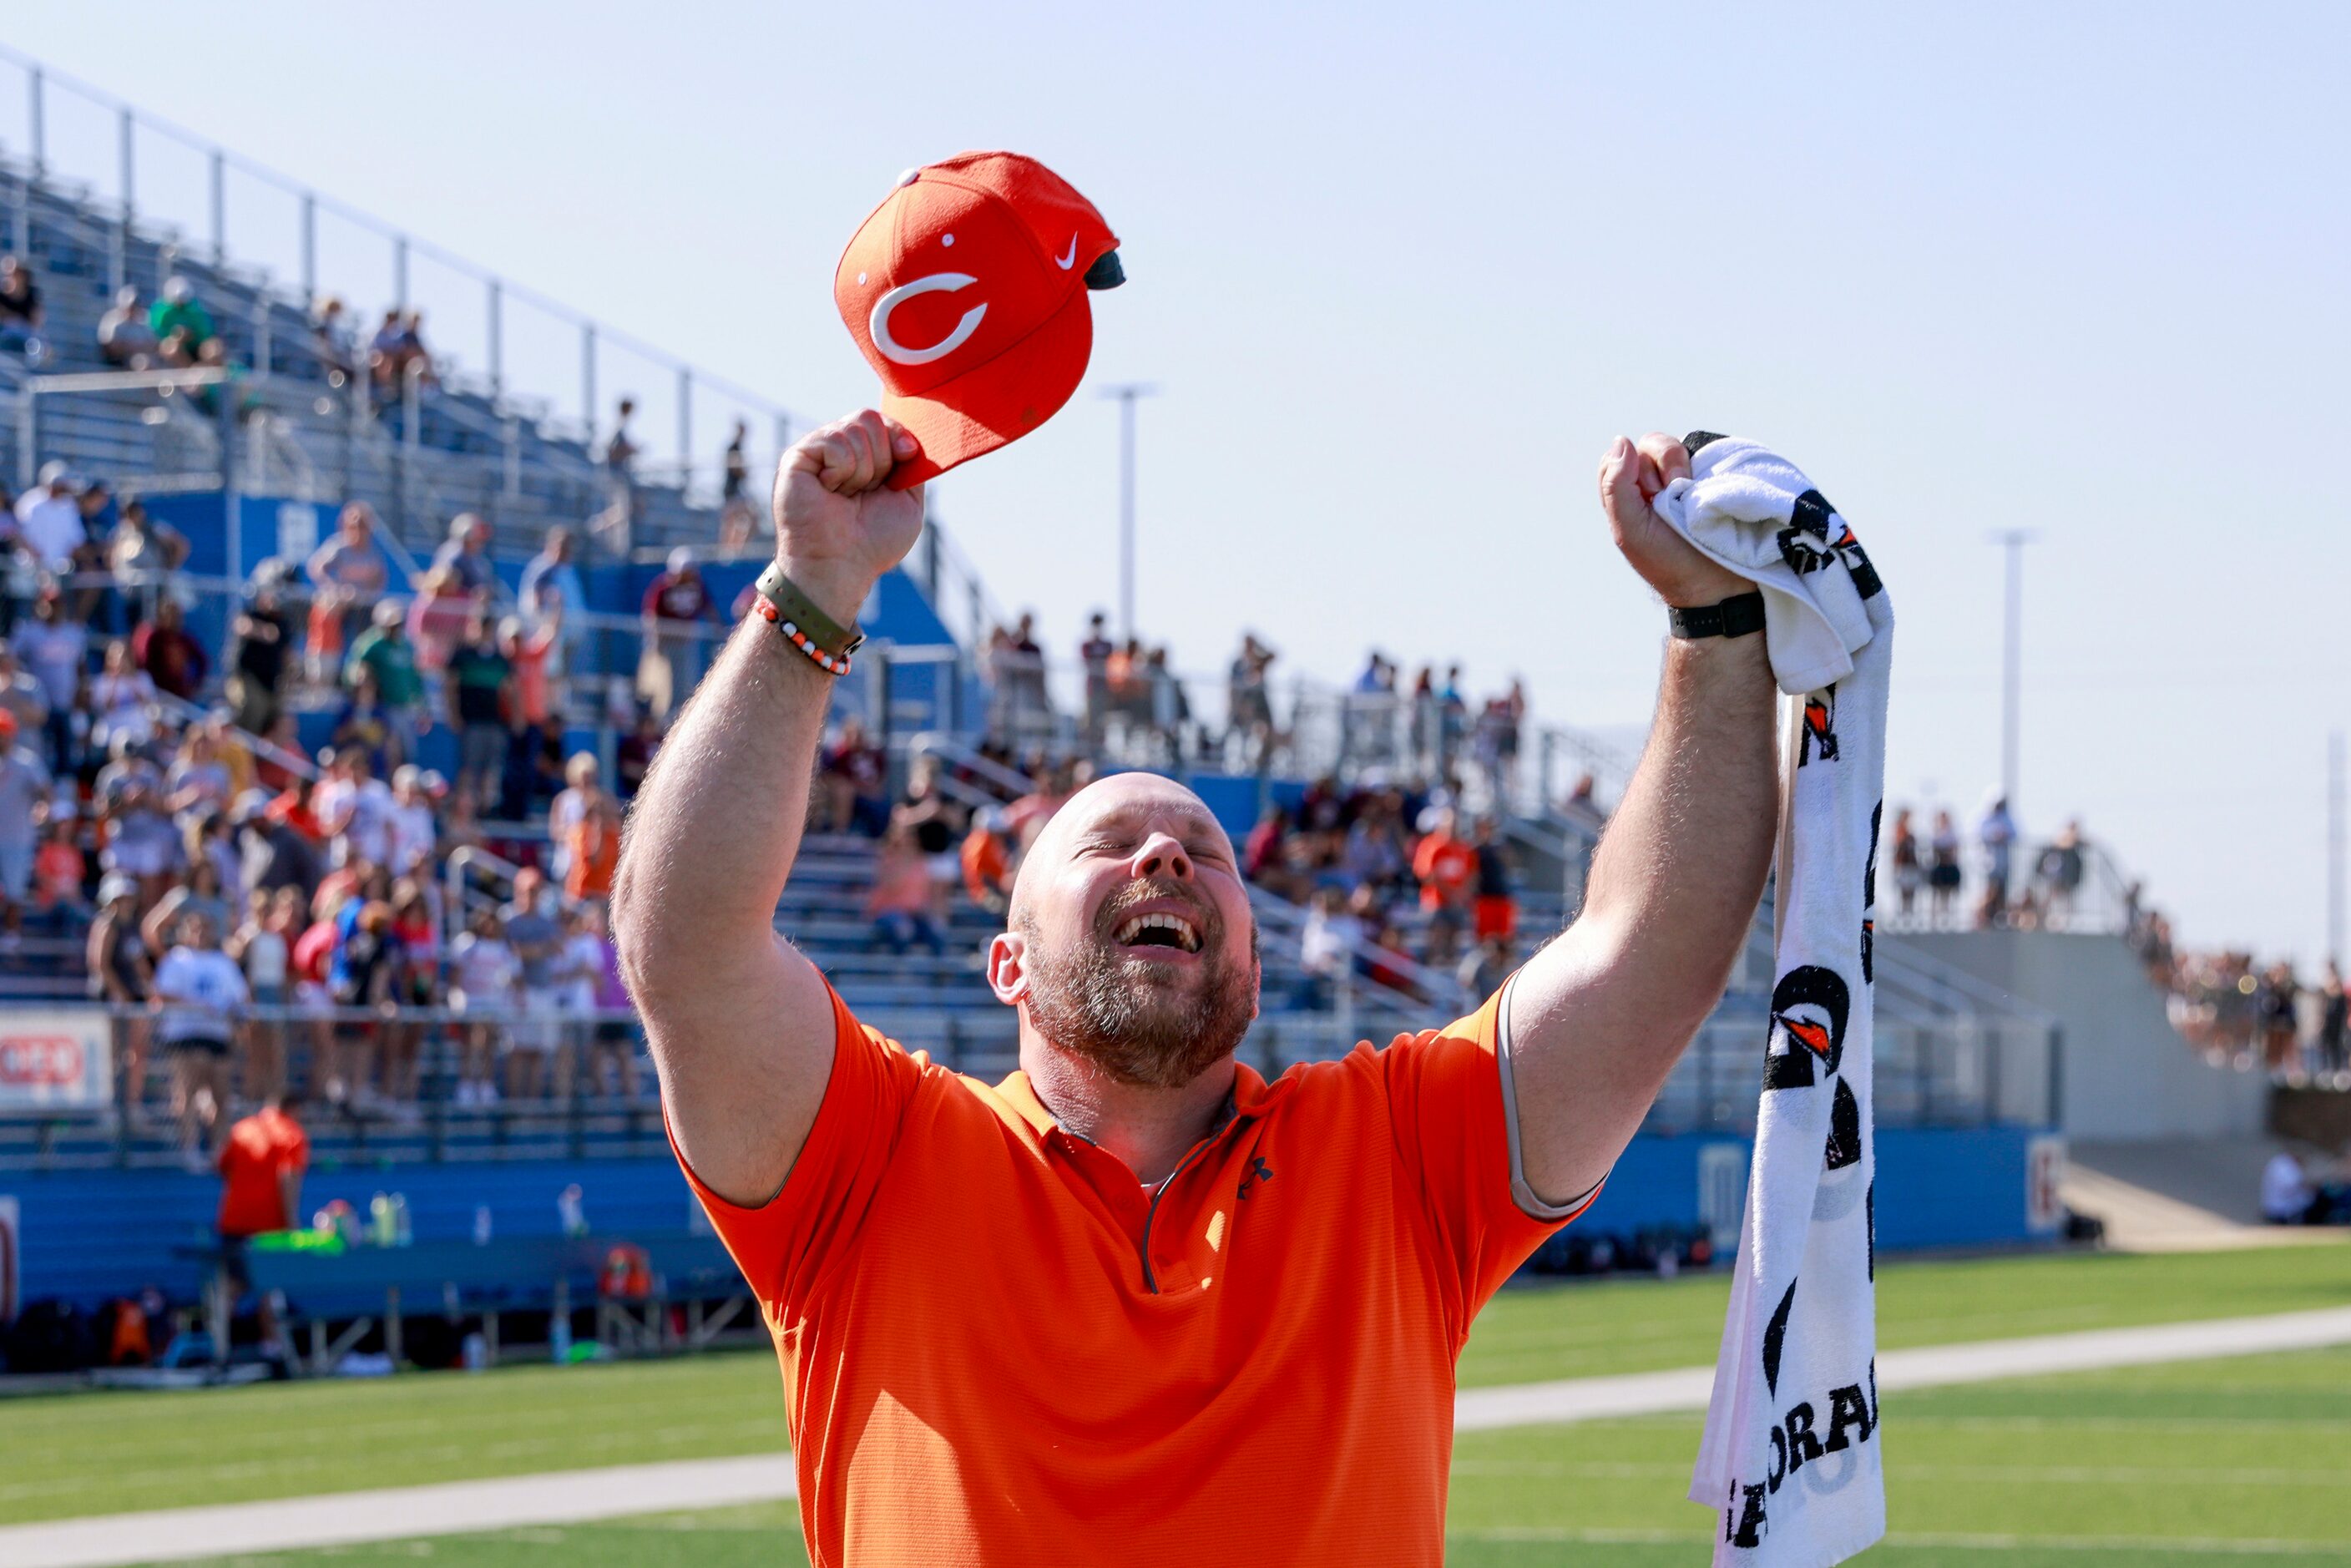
[(1733, 617)]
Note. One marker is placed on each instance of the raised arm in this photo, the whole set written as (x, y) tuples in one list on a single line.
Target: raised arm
[(740, 1023), (1600, 1016)]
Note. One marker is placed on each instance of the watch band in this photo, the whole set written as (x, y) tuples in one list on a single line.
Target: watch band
[(805, 623), (1733, 617)]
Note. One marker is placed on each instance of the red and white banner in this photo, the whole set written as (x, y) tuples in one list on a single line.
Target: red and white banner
[(57, 1058)]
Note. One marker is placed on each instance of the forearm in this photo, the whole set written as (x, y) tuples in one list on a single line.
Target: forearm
[(1599, 1017), (715, 827), (1679, 870)]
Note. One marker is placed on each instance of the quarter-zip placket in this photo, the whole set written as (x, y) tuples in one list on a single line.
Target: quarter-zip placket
[(1150, 1283)]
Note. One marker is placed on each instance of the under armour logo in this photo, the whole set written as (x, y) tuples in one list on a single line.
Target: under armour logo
[(1259, 1172)]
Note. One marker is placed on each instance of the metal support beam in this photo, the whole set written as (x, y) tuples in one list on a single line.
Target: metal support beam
[(310, 249), (229, 489), (684, 425), (123, 136), (2011, 661), (399, 271), (498, 340), (220, 206), (1126, 394), (36, 114)]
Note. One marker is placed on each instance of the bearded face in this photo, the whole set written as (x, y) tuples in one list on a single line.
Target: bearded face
[(1152, 990)]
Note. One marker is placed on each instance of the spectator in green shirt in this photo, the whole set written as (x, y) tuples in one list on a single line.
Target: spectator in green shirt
[(181, 323), (481, 699), (384, 651)]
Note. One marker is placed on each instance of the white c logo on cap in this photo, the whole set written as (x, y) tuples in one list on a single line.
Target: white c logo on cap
[(889, 348)]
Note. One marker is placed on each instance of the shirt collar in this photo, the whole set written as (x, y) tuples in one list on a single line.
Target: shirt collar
[(1251, 1096)]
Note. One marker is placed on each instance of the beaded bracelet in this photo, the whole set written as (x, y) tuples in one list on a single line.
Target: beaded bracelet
[(781, 603)]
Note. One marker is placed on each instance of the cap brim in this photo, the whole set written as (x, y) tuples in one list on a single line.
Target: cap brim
[(996, 403)]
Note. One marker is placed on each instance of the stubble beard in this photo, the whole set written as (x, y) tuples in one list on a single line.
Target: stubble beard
[(1141, 1021)]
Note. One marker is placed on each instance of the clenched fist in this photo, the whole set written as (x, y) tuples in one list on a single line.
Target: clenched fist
[(838, 530), (1631, 475)]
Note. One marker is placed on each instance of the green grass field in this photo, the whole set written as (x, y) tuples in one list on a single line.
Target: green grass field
[(2247, 1456), (2246, 1459)]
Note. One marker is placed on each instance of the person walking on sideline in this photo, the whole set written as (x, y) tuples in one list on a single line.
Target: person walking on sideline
[(261, 1164)]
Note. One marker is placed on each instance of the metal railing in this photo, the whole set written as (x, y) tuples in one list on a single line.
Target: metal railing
[(2100, 904), (63, 147), (1960, 1072)]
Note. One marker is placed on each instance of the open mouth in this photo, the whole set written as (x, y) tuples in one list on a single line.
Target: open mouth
[(1158, 930)]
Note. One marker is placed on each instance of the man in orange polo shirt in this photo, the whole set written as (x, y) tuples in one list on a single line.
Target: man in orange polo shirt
[(1135, 1304), (261, 1164)]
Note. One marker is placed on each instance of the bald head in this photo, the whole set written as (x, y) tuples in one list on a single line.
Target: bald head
[(1125, 807)]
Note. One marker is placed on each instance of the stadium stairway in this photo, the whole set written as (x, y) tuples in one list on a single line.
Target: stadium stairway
[(312, 434)]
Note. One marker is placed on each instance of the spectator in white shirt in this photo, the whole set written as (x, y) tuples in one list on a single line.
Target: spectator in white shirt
[(263, 947), (1326, 947), (125, 337), (203, 993), (354, 810), (54, 648), (484, 975), (49, 518), (413, 831)]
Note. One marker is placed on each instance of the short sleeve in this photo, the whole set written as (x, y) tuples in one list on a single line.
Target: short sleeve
[(785, 1245), (1448, 1097)]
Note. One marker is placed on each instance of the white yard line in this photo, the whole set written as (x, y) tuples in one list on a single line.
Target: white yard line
[(342, 1519), (572, 1497), (1685, 1388)]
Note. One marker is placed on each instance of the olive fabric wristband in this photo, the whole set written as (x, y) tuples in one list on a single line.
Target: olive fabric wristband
[(801, 619), (1733, 617)]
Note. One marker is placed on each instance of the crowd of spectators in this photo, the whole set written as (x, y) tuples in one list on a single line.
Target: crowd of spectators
[(2017, 885), (231, 895), (1394, 878), (1133, 708), (2242, 1012)]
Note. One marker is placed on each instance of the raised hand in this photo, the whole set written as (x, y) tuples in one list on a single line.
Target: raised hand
[(838, 530), (1631, 475)]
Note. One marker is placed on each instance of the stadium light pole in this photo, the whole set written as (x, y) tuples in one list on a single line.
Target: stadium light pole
[(1127, 392), (2012, 658), (2334, 833)]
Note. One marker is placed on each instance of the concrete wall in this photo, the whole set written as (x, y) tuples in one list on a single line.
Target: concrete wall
[(1937, 1187), (2127, 1074)]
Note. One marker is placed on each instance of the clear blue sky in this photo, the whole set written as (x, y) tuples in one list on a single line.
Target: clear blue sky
[(1404, 271)]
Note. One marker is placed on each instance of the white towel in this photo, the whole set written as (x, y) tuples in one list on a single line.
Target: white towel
[(1790, 1458)]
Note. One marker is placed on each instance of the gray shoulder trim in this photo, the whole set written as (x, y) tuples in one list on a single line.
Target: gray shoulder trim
[(1531, 1205)]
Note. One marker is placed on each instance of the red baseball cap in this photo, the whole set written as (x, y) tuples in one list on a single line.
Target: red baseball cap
[(966, 290)]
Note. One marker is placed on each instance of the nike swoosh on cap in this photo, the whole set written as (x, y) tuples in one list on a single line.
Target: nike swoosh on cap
[(1068, 259)]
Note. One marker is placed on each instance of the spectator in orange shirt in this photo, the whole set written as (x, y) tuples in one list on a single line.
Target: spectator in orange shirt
[(987, 864), (1447, 867), (261, 1164), (592, 848), (903, 903)]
